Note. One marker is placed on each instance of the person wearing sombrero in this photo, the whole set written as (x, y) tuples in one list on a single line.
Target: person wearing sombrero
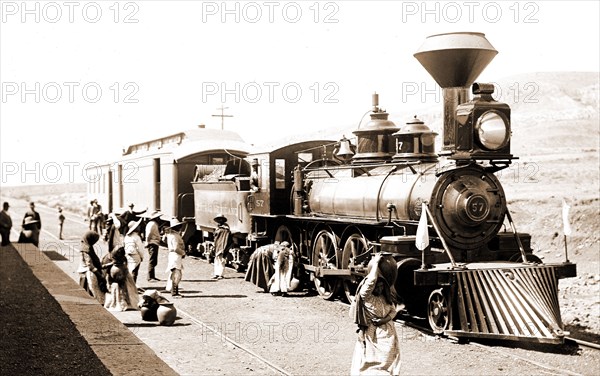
[(134, 248), (377, 349), (175, 258), (222, 244), (152, 243), (30, 232)]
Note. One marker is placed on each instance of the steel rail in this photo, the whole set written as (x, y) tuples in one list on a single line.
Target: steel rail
[(231, 341), (234, 343), (581, 342)]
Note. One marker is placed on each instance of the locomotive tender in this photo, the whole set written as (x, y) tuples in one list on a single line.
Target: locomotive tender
[(338, 204)]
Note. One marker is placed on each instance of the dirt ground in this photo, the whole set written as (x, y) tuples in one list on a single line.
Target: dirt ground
[(302, 334)]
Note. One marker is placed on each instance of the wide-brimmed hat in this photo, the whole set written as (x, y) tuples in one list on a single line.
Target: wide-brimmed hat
[(133, 225), (131, 205), (30, 220), (155, 214), (174, 222), (220, 217)]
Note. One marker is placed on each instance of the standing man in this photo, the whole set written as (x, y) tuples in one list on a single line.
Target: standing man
[(31, 213), (222, 244), (61, 222), (96, 212), (152, 243), (131, 215), (5, 224), (90, 211)]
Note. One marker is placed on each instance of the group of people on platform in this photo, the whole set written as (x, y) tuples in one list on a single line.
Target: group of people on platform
[(112, 279), (118, 270)]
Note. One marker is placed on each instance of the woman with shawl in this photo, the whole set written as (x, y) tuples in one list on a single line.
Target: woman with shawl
[(377, 349), (281, 280), (122, 294), (260, 266), (90, 269)]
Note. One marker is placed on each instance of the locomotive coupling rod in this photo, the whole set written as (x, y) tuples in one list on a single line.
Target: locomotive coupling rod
[(437, 230), (514, 230)]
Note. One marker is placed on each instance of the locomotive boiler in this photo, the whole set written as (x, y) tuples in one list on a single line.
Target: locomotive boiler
[(473, 278)]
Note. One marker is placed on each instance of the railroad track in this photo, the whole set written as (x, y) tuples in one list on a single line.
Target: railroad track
[(507, 353), (583, 343)]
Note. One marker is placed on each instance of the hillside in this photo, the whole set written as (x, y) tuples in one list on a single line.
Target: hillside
[(72, 197)]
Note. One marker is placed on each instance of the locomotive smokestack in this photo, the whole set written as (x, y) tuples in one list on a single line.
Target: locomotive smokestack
[(455, 60)]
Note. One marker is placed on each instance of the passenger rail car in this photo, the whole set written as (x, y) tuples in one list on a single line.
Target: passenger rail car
[(156, 174)]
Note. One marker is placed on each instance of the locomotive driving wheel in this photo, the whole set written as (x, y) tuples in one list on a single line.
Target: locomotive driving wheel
[(284, 234), (355, 246), (439, 311), (325, 257)]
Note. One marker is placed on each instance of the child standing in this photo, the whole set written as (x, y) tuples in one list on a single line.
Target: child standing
[(175, 258)]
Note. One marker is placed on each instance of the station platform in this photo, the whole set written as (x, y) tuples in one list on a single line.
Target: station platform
[(50, 326)]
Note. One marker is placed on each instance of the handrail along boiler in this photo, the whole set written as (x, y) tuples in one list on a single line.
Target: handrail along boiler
[(474, 280)]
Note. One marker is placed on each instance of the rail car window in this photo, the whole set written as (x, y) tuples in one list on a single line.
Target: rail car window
[(304, 158), (279, 173)]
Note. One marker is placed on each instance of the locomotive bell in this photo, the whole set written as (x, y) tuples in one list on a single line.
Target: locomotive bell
[(374, 141), (345, 150), (415, 141)]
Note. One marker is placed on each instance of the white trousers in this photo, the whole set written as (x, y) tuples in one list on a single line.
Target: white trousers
[(219, 265)]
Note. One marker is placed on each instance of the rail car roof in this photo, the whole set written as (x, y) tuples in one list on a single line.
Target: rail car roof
[(272, 148), (190, 142)]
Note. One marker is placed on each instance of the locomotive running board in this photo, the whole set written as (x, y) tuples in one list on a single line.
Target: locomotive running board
[(326, 272), (518, 304)]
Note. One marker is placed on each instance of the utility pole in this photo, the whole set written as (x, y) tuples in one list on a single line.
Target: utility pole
[(223, 116)]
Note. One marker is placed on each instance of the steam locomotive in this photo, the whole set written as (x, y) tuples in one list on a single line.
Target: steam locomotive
[(337, 204)]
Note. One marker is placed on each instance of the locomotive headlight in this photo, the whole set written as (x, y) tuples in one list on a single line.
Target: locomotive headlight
[(493, 130)]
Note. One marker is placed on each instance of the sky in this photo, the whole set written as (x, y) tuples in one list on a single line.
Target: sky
[(81, 80)]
